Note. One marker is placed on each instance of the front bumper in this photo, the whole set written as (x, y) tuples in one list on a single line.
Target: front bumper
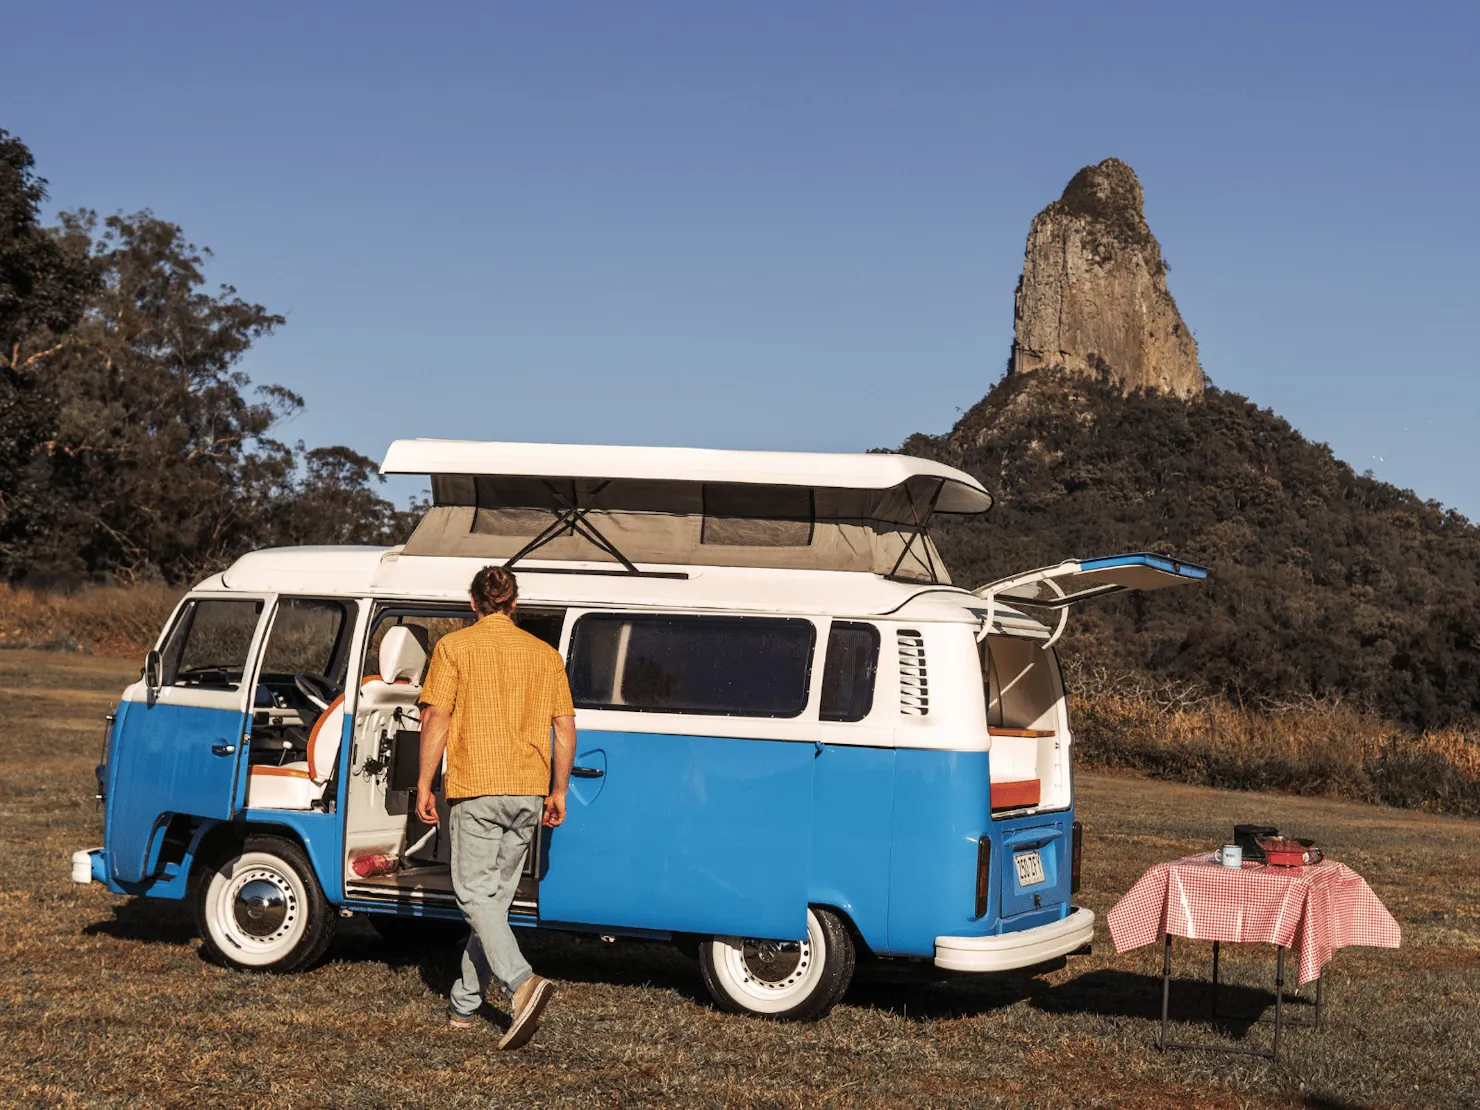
[(1024, 948), (88, 866)]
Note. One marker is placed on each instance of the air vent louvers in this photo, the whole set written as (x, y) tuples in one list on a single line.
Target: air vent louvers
[(914, 683)]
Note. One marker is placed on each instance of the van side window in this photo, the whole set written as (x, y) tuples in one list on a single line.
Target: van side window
[(430, 625), (848, 671), (209, 645), (728, 666), (305, 637)]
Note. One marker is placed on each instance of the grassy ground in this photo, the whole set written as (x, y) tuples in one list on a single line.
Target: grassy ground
[(106, 1002)]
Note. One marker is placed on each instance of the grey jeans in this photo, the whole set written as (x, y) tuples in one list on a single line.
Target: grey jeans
[(490, 837)]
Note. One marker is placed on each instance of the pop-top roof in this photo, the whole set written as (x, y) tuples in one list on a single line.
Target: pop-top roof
[(960, 492)]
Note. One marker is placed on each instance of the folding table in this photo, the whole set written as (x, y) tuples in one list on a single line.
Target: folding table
[(1316, 909)]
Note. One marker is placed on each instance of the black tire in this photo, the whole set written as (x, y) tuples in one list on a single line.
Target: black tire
[(418, 934), (797, 981), (259, 907)]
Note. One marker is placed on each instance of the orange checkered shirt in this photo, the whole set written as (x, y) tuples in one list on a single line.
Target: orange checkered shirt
[(502, 687)]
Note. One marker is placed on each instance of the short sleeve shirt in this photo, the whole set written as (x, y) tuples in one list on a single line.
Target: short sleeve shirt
[(502, 687)]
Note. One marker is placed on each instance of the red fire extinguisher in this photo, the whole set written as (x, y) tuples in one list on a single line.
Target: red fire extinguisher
[(377, 863)]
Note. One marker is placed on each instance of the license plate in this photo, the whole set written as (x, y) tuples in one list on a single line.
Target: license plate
[(1029, 868)]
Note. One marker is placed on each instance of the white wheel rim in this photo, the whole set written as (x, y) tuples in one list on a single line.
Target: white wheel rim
[(257, 909), (768, 977)]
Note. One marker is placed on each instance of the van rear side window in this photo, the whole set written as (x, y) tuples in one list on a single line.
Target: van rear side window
[(727, 666), (848, 672)]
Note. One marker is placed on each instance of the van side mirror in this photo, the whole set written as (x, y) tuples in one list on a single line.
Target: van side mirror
[(153, 672)]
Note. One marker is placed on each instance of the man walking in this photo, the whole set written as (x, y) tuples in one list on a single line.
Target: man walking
[(492, 694)]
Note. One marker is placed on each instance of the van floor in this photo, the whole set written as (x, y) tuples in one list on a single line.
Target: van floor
[(429, 878)]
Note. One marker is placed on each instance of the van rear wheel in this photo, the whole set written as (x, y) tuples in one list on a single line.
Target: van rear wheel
[(788, 980), (260, 908)]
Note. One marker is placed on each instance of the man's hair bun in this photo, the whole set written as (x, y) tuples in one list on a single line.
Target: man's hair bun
[(494, 590)]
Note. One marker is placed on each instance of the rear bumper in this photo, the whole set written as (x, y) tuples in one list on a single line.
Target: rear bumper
[(89, 865), (1024, 948)]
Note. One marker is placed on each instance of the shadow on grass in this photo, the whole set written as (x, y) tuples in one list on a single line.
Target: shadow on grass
[(1111, 993), (149, 920), (927, 997), (913, 994), (568, 957)]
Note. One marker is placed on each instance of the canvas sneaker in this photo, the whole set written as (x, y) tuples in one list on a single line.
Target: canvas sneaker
[(528, 1004)]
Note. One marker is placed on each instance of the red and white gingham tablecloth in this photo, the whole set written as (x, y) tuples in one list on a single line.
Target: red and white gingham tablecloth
[(1316, 909)]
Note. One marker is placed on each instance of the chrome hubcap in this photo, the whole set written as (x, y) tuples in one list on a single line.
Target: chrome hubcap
[(260, 908), (775, 964)]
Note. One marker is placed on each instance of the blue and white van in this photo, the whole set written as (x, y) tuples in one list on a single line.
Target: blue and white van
[(798, 743)]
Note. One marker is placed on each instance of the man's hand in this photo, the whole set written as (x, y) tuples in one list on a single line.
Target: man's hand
[(434, 726), (565, 755)]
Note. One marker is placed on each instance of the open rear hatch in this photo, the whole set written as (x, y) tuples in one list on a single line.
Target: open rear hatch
[(1029, 763), (1075, 580)]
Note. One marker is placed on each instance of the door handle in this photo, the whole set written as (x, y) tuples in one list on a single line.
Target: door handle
[(223, 749), (586, 772)]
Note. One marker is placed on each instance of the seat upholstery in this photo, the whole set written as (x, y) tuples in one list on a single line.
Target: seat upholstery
[(1017, 794), (403, 659), (298, 785), (403, 655)]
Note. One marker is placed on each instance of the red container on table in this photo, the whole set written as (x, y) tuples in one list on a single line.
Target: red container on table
[(1281, 851)]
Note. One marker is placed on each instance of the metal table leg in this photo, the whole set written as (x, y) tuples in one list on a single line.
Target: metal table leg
[(1272, 1053), (1313, 1022)]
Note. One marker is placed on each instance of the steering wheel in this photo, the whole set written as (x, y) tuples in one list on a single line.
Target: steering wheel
[(316, 688)]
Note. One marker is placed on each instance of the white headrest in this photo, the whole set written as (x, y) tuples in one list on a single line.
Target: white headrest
[(402, 659)]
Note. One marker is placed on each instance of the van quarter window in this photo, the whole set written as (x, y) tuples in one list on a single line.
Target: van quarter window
[(730, 666), (848, 672), (209, 645)]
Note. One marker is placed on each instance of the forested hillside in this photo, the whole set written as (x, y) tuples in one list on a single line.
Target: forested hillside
[(1324, 582), (132, 448)]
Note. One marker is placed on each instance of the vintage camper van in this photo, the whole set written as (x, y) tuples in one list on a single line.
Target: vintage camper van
[(798, 742)]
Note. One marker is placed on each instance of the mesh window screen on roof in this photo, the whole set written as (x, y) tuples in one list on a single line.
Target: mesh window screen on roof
[(511, 506), (758, 516), (730, 666)]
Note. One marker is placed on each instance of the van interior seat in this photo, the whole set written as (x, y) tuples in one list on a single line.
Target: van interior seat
[(299, 785), (1016, 794), (403, 661)]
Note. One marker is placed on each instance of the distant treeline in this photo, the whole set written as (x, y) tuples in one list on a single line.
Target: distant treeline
[(1325, 583), (131, 446)]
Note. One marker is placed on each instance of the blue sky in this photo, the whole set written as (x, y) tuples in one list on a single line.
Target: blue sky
[(783, 225)]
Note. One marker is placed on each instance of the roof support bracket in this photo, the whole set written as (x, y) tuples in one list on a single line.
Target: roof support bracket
[(920, 528), (571, 519)]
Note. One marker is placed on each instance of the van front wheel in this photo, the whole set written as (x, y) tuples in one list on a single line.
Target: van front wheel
[(260, 908), (790, 980)]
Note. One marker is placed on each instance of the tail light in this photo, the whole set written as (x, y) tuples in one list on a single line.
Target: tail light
[(1076, 852), (983, 874)]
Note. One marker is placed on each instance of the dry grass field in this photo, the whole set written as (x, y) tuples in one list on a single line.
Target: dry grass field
[(106, 1001)]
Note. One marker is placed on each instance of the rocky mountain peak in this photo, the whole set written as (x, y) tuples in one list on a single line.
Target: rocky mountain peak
[(1093, 296)]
